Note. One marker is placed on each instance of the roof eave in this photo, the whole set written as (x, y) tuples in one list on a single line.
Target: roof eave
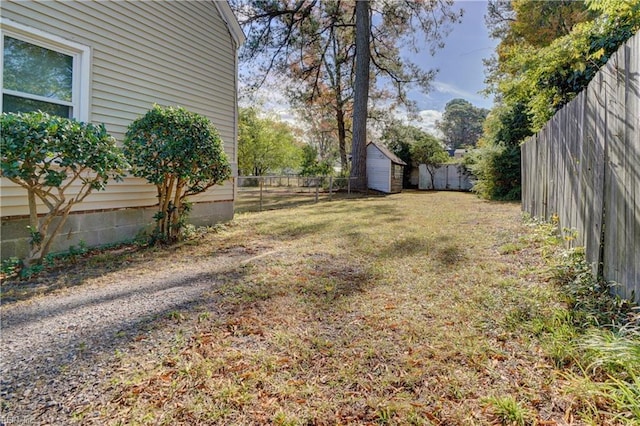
[(232, 22), (387, 153)]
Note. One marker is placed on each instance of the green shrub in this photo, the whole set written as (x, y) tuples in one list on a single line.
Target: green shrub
[(496, 164), (311, 166), (10, 266), (48, 156), (181, 153), (497, 172)]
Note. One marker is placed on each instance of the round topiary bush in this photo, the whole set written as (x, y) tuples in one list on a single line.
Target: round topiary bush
[(181, 153)]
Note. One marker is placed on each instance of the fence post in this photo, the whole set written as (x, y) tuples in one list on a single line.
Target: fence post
[(349, 185), (317, 187), (261, 183), (330, 186)]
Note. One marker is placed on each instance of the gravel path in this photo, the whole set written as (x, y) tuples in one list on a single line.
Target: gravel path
[(57, 348)]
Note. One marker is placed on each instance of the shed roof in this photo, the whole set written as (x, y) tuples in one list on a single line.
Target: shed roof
[(394, 158)]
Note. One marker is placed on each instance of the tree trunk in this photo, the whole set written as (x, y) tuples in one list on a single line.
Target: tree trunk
[(360, 98), (342, 139), (48, 237), (432, 173), (35, 241), (175, 230)]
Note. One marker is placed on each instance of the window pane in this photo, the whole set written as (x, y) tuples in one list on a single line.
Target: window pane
[(33, 69), (18, 104)]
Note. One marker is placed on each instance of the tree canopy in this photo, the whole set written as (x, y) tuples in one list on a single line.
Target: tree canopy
[(315, 42), (58, 161), (414, 146), (428, 150), (312, 165), (265, 145), (461, 123), (548, 53)]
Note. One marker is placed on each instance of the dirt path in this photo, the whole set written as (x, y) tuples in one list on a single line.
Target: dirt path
[(57, 348)]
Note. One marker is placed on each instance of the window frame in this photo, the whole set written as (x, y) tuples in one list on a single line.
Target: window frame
[(81, 57)]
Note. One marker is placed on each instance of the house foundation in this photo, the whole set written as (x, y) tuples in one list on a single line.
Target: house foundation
[(94, 229)]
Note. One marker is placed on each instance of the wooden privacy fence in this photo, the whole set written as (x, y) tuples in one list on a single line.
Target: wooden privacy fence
[(584, 167), (447, 177)]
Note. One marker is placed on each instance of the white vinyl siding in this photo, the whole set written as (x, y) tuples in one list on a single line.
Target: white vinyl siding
[(142, 52)]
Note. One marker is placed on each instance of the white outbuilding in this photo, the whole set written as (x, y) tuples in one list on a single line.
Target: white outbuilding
[(384, 169)]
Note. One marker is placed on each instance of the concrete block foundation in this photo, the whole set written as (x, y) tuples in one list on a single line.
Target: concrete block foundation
[(96, 229)]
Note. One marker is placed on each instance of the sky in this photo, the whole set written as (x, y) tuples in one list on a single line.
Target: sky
[(461, 71)]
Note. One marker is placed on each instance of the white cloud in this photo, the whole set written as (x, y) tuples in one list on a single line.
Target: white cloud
[(426, 119), (429, 116), (451, 89)]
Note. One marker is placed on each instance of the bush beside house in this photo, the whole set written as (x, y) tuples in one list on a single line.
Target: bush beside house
[(47, 156)]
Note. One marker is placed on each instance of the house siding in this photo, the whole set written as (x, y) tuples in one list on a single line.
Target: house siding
[(142, 52)]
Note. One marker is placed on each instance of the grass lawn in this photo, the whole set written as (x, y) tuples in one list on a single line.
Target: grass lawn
[(414, 308)]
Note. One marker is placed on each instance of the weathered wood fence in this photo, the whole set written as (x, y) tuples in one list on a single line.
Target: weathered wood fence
[(447, 177), (584, 167)]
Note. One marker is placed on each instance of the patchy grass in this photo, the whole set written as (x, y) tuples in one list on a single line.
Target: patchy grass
[(593, 339), (417, 308), (508, 411), (370, 311), (64, 270)]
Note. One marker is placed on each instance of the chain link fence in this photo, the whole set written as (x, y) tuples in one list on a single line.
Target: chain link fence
[(257, 193)]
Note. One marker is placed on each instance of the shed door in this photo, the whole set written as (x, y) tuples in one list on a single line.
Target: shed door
[(379, 174)]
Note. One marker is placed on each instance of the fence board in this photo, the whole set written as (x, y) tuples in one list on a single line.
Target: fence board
[(632, 172), (546, 178), (600, 122), (446, 177), (633, 117), (593, 180), (614, 218), (584, 166), (574, 130)]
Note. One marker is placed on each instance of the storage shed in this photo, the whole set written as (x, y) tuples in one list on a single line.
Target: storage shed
[(384, 169)]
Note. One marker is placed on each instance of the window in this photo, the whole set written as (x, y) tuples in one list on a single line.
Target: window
[(43, 72)]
